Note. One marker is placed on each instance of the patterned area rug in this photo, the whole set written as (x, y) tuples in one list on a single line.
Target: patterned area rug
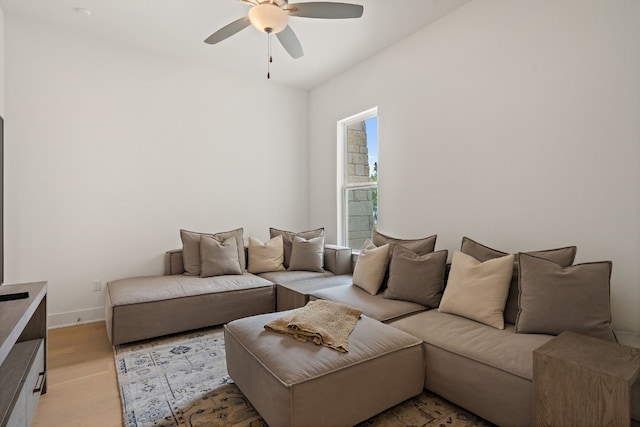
[(182, 380)]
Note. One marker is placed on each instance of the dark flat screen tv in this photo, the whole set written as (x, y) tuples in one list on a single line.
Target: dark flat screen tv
[(1, 200)]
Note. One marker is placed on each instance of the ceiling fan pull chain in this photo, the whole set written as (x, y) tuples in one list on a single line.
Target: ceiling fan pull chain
[(269, 59)]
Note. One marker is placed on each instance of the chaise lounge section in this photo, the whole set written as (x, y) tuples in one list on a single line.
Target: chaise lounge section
[(147, 307)]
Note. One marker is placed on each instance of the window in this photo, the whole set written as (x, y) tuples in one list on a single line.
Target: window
[(357, 178)]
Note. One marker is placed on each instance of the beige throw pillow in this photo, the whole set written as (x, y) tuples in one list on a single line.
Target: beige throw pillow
[(478, 290), (265, 257), (416, 278), (287, 238), (307, 255), (563, 256), (371, 267), (554, 299), (219, 257)]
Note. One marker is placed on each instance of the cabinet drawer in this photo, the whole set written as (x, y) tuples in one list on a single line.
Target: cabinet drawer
[(33, 385), (20, 374), (18, 417)]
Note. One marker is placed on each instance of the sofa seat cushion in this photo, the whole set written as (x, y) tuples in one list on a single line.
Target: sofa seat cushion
[(145, 289), (501, 349), (280, 277), (375, 306)]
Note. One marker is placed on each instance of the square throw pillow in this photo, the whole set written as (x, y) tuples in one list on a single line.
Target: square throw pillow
[(219, 257), (265, 257), (191, 248), (478, 290), (554, 299), (307, 255), (371, 266), (190, 252), (287, 238), (416, 278), (563, 256), (419, 246)]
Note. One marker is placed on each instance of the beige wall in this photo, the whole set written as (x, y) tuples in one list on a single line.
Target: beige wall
[(111, 150), (512, 122)]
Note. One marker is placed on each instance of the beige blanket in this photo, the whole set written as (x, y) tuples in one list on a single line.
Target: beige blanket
[(322, 322)]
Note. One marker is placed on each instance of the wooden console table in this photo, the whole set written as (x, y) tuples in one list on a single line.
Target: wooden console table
[(583, 381), (23, 353)]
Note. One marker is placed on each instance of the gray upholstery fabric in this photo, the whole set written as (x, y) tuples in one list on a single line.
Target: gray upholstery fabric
[(337, 259), (416, 278), (419, 246), (301, 384), (133, 322), (502, 349), (219, 257), (297, 293), (375, 306), (485, 370), (191, 248), (554, 299), (563, 256), (173, 262), (147, 307), (287, 238), (137, 290), (290, 276), (307, 254)]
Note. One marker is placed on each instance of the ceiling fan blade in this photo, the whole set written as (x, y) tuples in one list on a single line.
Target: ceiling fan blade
[(325, 10), (228, 30), (290, 42)]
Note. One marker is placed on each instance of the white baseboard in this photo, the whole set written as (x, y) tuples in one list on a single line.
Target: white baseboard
[(70, 318)]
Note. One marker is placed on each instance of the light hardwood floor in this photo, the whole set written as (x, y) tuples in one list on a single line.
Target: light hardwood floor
[(82, 384)]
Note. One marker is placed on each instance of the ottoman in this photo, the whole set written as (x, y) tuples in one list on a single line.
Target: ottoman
[(291, 383)]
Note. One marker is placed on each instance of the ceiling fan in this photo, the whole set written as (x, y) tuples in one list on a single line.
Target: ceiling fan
[(272, 17)]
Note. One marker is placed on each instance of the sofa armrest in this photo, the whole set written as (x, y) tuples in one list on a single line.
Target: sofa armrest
[(337, 259), (173, 262)]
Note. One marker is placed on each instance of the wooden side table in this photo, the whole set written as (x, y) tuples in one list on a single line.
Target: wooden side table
[(583, 381)]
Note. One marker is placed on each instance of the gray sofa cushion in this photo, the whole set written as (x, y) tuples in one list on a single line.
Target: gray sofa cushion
[(280, 277), (138, 290), (562, 256), (554, 299), (219, 257), (416, 278), (502, 349), (287, 237), (307, 254), (375, 306), (191, 248), (419, 246), (146, 307)]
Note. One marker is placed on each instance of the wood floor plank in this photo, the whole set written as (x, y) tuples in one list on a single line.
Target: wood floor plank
[(83, 387)]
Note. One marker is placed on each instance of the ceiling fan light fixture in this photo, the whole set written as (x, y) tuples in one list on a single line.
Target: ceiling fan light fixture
[(268, 18)]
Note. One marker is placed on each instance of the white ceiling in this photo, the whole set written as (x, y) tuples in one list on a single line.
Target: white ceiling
[(179, 27)]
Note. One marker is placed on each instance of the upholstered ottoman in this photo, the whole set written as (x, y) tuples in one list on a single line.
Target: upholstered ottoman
[(292, 383)]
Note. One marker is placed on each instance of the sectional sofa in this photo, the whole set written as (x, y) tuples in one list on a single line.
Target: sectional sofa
[(478, 350)]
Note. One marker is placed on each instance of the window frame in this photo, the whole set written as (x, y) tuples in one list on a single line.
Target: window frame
[(343, 186)]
